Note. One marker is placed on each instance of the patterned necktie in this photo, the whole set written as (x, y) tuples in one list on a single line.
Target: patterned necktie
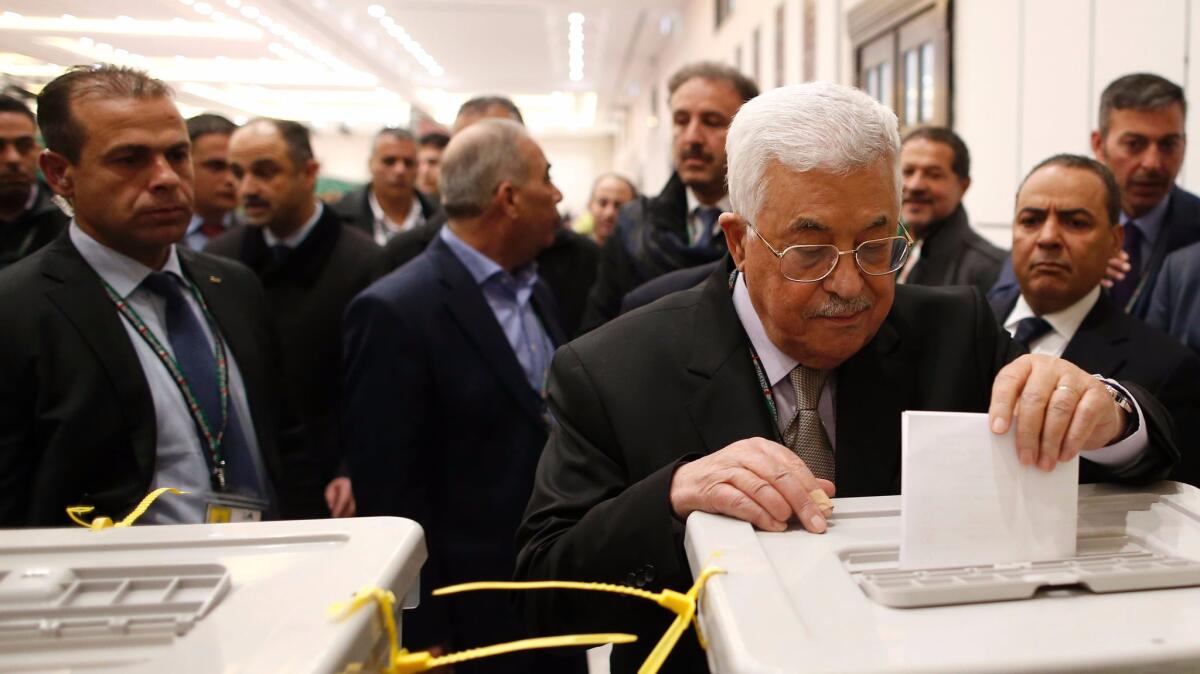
[(1122, 291), (1030, 329), (805, 434), (194, 354), (706, 219)]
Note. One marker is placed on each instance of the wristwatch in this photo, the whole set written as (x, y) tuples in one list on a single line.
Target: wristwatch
[(1122, 400)]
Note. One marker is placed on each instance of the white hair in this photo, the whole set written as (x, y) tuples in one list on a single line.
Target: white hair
[(816, 126)]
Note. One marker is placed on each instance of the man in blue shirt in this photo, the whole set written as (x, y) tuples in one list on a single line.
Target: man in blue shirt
[(444, 379)]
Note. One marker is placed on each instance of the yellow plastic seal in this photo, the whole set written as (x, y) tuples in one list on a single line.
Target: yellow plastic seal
[(401, 661), (101, 523), (683, 605)]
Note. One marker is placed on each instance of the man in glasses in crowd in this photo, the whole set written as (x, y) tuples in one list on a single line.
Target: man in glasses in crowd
[(787, 377)]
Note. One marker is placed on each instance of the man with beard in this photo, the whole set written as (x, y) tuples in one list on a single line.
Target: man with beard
[(936, 168), (678, 228), (29, 219), (128, 362), (1142, 140), (311, 266)]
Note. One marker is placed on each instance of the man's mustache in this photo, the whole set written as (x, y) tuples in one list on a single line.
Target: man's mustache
[(249, 202), (837, 307)]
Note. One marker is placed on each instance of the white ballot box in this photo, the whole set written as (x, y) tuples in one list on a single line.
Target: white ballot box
[(838, 602), (239, 597)]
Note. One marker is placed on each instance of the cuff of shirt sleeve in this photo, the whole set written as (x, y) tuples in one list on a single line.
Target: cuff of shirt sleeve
[(1123, 452)]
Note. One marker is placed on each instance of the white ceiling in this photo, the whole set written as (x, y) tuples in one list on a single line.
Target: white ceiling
[(350, 63)]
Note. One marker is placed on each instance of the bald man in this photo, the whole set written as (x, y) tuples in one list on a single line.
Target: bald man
[(311, 266)]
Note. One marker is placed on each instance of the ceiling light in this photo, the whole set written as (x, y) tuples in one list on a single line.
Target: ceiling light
[(234, 3), (410, 45), (175, 27), (250, 12), (203, 8), (377, 11), (575, 18), (68, 17)]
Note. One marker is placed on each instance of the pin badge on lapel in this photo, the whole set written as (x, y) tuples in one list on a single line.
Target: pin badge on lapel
[(214, 279)]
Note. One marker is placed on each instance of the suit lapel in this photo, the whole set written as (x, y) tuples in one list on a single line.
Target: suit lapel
[(1099, 345), (873, 388), (728, 404), (465, 301), (547, 312), (80, 296)]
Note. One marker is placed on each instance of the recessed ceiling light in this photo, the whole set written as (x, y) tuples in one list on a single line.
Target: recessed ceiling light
[(250, 12), (234, 3), (376, 11)]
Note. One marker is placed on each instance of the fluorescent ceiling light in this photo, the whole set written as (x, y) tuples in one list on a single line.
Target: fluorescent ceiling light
[(173, 28)]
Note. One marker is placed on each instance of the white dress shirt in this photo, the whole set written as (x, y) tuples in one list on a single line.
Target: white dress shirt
[(1064, 324), (384, 227), (179, 458)]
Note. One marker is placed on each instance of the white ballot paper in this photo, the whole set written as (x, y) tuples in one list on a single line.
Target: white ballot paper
[(966, 499)]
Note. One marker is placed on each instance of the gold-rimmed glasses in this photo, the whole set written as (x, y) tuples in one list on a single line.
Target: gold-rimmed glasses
[(809, 263)]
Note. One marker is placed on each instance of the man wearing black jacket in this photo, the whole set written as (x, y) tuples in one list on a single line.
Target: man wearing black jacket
[(29, 218), (390, 203), (311, 266), (678, 228), (936, 168), (743, 396)]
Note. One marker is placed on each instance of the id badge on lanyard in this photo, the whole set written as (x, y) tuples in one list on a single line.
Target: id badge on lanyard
[(228, 507)]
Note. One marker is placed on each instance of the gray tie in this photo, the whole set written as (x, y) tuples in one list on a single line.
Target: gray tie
[(805, 434)]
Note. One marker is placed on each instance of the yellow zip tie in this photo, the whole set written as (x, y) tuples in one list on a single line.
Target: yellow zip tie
[(683, 605), (401, 661), (101, 523)]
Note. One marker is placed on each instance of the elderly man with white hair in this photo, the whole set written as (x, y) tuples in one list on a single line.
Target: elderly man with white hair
[(784, 373)]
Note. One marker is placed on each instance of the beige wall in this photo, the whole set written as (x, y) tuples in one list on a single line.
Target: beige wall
[(574, 161), (1027, 76)]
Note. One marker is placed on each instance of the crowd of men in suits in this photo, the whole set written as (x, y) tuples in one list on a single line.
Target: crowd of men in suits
[(439, 345)]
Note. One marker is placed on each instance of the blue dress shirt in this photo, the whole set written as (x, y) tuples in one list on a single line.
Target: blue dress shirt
[(179, 461), (509, 296)]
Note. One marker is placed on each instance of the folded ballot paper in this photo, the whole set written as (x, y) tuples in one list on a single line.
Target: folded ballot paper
[(966, 499)]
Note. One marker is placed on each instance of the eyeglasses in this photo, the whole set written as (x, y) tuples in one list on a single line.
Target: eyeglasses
[(811, 263)]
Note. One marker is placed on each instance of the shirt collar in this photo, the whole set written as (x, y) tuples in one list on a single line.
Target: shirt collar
[(118, 270), (693, 203), (301, 234), (483, 268), (381, 218), (776, 364), (197, 221), (1150, 224), (1065, 322)]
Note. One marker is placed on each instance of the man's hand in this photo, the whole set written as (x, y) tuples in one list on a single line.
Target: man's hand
[(755, 480), (339, 496), (1060, 410), (1118, 267)]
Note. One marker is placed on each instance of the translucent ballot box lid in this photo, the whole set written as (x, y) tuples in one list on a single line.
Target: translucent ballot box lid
[(800, 602), (246, 597)]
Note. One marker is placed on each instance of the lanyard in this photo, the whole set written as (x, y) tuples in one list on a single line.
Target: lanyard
[(763, 384), (214, 456)]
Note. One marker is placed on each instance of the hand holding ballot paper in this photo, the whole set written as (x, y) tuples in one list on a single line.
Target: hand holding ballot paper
[(1058, 411)]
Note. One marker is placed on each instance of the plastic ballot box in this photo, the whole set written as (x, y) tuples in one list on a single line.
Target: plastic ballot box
[(239, 597), (838, 602)]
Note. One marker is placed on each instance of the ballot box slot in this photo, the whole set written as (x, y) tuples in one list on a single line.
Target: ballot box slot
[(79, 605), (1105, 563)]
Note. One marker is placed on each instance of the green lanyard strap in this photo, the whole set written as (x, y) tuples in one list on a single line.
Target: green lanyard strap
[(213, 441)]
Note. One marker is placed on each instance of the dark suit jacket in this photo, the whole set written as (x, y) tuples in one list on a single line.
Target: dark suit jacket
[(954, 254), (1175, 305), (441, 426), (1116, 345), (568, 266), (1180, 227), (666, 284), (355, 209), (32, 229), (674, 381), (650, 239), (307, 295), (77, 422)]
